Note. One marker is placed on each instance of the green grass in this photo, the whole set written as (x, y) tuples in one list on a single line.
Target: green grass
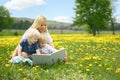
[(11, 32), (15, 32), (89, 58), (58, 71)]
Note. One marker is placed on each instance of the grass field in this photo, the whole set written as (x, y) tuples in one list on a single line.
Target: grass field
[(89, 58), (15, 32)]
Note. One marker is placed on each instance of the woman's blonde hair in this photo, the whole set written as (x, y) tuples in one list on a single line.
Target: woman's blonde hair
[(38, 21), (31, 32)]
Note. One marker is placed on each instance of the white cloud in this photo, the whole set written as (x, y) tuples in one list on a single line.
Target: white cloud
[(62, 19), (22, 4)]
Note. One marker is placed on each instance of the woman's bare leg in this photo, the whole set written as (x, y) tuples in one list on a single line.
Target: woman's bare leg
[(15, 53)]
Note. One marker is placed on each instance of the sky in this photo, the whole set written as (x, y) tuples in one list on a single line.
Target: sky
[(57, 10), (116, 10)]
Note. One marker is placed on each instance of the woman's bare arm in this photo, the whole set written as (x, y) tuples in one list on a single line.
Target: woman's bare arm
[(51, 44)]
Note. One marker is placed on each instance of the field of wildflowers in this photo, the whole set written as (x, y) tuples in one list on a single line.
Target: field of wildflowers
[(89, 58)]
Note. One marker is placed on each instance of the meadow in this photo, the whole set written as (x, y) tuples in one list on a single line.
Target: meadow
[(89, 58)]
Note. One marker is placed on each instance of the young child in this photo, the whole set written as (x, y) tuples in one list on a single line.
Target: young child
[(28, 45), (44, 47)]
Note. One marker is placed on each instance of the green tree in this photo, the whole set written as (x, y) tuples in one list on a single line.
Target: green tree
[(95, 13), (5, 19)]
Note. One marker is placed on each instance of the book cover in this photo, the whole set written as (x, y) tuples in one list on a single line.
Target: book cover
[(49, 58)]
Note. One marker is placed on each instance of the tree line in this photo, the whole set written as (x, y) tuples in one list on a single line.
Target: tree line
[(53, 25)]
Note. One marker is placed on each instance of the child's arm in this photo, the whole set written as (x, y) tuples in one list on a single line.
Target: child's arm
[(20, 50), (38, 51), (24, 55), (51, 49)]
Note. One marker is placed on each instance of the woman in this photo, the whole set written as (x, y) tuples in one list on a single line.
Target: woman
[(39, 24)]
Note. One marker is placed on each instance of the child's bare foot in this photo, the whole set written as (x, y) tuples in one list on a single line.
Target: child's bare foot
[(11, 61), (65, 59)]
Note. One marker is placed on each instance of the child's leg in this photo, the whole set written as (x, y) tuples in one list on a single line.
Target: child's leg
[(17, 59)]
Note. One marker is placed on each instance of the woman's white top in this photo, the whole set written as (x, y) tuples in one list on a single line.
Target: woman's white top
[(48, 37)]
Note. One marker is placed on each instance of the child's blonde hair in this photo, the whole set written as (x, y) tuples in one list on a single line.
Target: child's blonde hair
[(42, 39), (38, 21), (31, 32)]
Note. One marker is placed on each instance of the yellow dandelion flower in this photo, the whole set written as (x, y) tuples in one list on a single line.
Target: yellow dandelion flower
[(7, 65), (81, 65), (74, 76), (113, 59), (24, 78), (117, 70), (71, 57), (37, 66), (90, 64), (87, 58), (20, 69), (87, 69), (109, 69), (100, 65), (96, 57)]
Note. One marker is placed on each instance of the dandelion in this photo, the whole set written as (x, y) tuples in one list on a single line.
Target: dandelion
[(96, 58), (35, 68), (87, 69), (20, 69), (71, 57), (87, 58), (67, 62), (7, 65), (113, 59), (90, 64), (81, 65), (109, 69), (100, 65), (24, 78), (117, 70)]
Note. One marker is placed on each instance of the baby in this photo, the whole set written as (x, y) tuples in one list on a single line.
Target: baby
[(44, 47)]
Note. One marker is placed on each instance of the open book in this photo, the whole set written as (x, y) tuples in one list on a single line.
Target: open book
[(49, 58)]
